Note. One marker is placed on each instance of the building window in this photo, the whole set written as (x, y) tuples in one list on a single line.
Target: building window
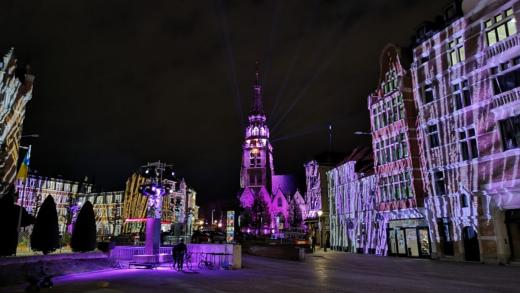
[(464, 201), (428, 93), (506, 82), (500, 27), (510, 130), (391, 149), (468, 144), (439, 183), (391, 82), (461, 95), (456, 51), (280, 204), (433, 136), (395, 187)]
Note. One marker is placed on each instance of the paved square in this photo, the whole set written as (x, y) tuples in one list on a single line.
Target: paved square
[(324, 272)]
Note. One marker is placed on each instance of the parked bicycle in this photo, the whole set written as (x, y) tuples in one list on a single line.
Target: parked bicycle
[(205, 262), (187, 262)]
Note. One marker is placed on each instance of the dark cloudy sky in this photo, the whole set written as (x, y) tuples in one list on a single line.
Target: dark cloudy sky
[(120, 83)]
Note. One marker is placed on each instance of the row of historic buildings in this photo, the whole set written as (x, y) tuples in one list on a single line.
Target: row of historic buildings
[(445, 130), (117, 212)]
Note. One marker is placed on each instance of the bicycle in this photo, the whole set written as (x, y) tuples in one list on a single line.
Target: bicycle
[(187, 262), (206, 262)]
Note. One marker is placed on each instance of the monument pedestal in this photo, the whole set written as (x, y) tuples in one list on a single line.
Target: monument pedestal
[(153, 236)]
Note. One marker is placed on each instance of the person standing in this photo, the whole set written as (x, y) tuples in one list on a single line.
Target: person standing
[(174, 256), (313, 243), (181, 251)]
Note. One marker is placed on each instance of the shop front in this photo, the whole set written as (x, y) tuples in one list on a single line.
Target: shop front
[(409, 237)]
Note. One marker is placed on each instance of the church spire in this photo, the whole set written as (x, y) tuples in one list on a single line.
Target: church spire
[(257, 107)]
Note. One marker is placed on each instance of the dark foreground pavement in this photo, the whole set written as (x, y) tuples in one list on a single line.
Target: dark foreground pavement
[(325, 272)]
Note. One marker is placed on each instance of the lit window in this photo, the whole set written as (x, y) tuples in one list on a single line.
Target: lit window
[(468, 144), (433, 136), (456, 51), (500, 27), (510, 130)]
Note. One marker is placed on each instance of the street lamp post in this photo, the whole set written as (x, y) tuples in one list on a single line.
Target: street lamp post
[(320, 213)]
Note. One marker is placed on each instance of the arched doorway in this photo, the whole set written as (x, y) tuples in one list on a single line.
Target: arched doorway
[(471, 248)]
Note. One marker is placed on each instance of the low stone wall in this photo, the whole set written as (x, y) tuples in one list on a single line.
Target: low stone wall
[(15, 269), (289, 252), (125, 254)]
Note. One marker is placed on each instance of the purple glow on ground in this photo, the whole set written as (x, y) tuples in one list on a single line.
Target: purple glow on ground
[(107, 275)]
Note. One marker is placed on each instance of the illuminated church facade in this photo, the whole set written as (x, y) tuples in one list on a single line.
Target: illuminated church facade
[(258, 180)]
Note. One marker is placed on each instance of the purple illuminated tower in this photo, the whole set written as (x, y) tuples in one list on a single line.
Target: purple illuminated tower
[(257, 159)]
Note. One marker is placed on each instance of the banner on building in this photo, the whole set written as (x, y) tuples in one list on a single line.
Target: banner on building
[(230, 226)]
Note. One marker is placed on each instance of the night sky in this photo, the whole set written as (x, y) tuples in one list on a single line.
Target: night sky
[(120, 83)]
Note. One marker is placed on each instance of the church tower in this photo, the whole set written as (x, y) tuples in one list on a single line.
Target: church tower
[(257, 159)]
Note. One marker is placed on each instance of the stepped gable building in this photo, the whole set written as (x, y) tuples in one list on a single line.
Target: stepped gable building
[(399, 195), (466, 77), (257, 174), (14, 95)]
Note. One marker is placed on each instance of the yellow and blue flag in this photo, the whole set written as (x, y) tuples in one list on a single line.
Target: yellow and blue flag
[(24, 168)]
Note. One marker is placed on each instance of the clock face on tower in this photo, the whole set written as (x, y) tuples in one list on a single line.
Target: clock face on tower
[(254, 158)]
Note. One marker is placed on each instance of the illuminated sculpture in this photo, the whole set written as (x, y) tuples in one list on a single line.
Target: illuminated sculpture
[(158, 175)]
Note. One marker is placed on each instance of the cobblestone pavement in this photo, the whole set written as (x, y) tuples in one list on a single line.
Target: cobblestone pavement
[(323, 272)]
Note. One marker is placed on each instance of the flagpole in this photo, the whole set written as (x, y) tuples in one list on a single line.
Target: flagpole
[(24, 185)]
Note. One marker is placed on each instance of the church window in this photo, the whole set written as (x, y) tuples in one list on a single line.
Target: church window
[(255, 131), (280, 204)]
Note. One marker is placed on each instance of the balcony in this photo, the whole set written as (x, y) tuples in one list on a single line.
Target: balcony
[(502, 46), (505, 98)]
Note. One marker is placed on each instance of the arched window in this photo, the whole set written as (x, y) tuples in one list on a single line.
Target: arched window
[(255, 131), (280, 202)]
